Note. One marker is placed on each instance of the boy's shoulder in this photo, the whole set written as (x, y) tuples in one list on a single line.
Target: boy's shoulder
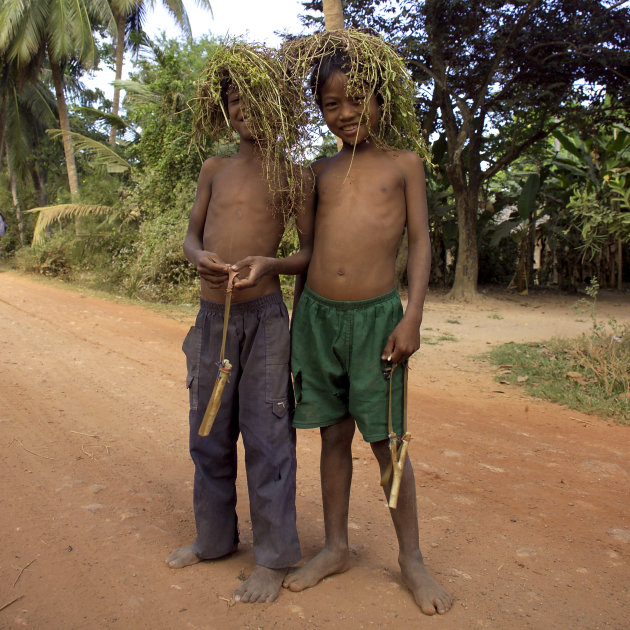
[(211, 166), (404, 157), (214, 163), (318, 166)]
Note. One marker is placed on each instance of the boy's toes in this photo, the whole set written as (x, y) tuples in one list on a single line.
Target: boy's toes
[(443, 603), (262, 586)]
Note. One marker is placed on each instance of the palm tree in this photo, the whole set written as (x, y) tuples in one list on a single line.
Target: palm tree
[(333, 14), (129, 18), (333, 20), (62, 30), (27, 108)]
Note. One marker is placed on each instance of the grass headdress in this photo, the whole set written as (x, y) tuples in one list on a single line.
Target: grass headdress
[(270, 106), (373, 68)]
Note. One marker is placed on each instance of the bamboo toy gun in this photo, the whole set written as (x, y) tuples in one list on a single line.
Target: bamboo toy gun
[(398, 455), (225, 367)]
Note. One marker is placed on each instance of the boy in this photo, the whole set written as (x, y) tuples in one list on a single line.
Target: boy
[(233, 228), (349, 325)]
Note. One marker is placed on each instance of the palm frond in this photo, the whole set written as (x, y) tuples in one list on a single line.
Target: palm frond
[(103, 154), (38, 100), (137, 93), (98, 114), (138, 89), (101, 10), (178, 11), (12, 16), (205, 4), (48, 214)]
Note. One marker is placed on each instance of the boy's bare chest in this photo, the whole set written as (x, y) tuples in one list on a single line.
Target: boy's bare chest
[(370, 183), (240, 190)]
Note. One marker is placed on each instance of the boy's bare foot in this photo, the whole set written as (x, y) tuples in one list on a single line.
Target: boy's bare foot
[(325, 563), (182, 557), (429, 595), (263, 585)]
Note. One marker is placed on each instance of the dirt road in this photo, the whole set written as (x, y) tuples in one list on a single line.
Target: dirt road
[(524, 506)]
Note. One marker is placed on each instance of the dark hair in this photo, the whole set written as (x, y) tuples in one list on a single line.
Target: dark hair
[(327, 66), (226, 85), (324, 69)]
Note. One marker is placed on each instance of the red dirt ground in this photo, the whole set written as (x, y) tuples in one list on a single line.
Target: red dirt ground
[(524, 505)]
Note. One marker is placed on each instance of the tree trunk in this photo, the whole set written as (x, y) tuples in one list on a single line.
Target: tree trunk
[(333, 20), (64, 124), (333, 14), (39, 181), (120, 52), (16, 200), (619, 264), (467, 266)]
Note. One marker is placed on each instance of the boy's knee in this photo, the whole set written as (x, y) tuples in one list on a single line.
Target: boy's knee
[(340, 434), (381, 450)]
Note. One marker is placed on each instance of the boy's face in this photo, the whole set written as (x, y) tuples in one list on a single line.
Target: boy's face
[(348, 116), (235, 113)]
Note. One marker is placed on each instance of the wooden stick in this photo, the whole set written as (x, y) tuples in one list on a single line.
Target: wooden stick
[(22, 571), (398, 464), (11, 602), (215, 400)]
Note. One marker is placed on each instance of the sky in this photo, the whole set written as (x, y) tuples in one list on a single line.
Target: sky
[(256, 20)]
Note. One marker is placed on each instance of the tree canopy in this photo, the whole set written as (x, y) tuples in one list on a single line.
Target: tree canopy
[(494, 78)]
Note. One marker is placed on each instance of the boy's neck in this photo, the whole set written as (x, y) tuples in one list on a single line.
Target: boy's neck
[(249, 149), (363, 147)]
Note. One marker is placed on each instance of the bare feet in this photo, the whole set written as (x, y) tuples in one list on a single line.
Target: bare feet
[(182, 557), (429, 595), (263, 585), (325, 563)]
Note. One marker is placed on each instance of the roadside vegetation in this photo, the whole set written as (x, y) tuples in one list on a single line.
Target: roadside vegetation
[(590, 373)]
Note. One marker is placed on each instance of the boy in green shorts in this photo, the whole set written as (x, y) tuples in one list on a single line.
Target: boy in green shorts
[(349, 324)]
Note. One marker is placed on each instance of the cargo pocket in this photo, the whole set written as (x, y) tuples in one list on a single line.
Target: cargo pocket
[(277, 376), (192, 350)]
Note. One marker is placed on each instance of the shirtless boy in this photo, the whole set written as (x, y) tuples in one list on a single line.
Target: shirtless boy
[(233, 226), (349, 321)]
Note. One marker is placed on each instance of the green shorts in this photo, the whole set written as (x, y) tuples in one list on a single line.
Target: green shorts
[(337, 366)]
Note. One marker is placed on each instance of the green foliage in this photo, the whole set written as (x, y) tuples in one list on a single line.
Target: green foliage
[(78, 251), (590, 373), (164, 150), (599, 164), (153, 266)]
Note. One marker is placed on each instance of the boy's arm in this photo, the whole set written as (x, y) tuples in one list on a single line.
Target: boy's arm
[(405, 338), (295, 264), (209, 266)]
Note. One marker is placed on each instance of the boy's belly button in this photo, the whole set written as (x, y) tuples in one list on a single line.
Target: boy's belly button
[(341, 272)]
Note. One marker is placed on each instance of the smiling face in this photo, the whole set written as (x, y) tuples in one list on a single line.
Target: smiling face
[(236, 116), (349, 117)]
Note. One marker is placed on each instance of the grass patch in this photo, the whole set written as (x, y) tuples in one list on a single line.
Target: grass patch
[(429, 340), (453, 321), (495, 316), (590, 373)]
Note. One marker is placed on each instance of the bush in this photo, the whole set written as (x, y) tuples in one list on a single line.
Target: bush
[(154, 267)]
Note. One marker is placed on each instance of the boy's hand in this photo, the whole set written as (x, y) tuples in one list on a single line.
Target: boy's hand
[(403, 342), (212, 269), (258, 267)]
